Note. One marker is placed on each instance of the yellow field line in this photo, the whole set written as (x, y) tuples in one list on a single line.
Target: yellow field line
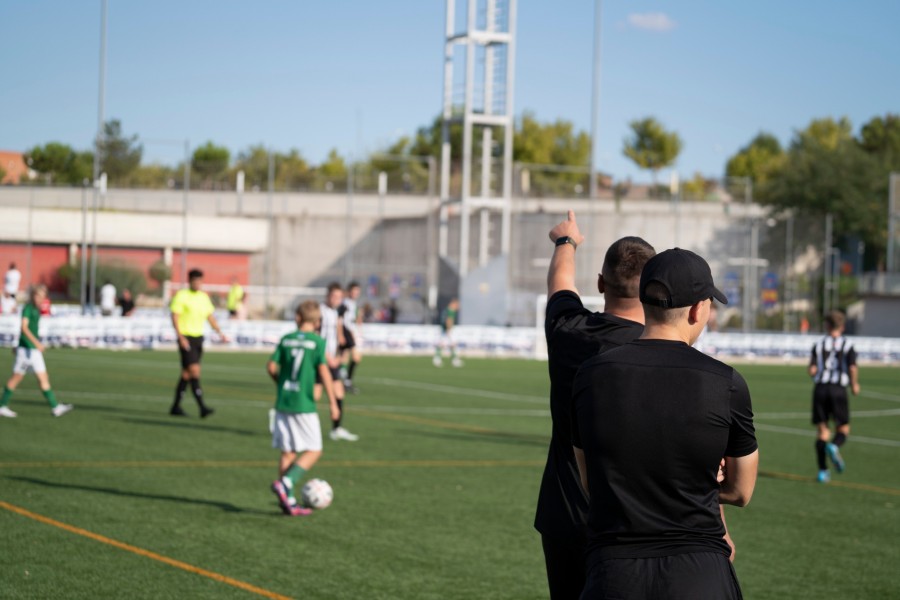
[(209, 464), (145, 553), (843, 484), (423, 421)]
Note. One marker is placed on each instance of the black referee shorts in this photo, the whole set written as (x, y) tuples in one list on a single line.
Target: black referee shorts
[(830, 402), (564, 557), (335, 375), (193, 354), (349, 340), (692, 576)]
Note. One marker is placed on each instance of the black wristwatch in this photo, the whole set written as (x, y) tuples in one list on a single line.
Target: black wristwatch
[(566, 240)]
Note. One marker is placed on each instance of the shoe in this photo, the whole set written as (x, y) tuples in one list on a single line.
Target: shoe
[(824, 476), (61, 409), (7, 412), (834, 453), (437, 362), (177, 411), (206, 411), (457, 362), (351, 389), (340, 433), (283, 499), (299, 511)]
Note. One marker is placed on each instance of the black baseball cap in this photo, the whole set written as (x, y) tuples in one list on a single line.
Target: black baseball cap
[(685, 275)]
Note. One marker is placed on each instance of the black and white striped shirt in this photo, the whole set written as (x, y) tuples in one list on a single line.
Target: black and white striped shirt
[(833, 357)]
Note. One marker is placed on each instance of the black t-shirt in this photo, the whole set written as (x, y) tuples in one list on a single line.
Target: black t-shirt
[(127, 306), (654, 419), (574, 334)]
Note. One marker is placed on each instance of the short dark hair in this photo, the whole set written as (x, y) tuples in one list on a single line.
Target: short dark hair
[(194, 274), (352, 284), (334, 285), (622, 266), (835, 319), (657, 314)]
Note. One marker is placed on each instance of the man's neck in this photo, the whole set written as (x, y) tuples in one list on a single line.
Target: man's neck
[(307, 328), (624, 308)]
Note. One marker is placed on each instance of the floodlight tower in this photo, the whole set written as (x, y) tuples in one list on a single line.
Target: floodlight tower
[(479, 46)]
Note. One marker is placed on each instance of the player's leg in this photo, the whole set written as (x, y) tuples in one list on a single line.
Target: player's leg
[(185, 356), (842, 427), (300, 437), (338, 431), (40, 372), (439, 348), (194, 371), (820, 415), (11, 385)]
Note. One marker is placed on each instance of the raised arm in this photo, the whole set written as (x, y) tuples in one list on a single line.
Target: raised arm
[(561, 275)]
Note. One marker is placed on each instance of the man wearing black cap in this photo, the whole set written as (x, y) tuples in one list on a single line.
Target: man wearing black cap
[(654, 418), (575, 334)]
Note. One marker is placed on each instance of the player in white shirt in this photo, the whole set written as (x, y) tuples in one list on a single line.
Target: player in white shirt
[(12, 280), (352, 319), (107, 299), (333, 333)]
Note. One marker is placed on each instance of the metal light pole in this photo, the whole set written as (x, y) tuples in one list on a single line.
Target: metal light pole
[(595, 99), (184, 207), (82, 293), (99, 137), (269, 219), (826, 266)]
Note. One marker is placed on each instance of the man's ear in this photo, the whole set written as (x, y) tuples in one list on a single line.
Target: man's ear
[(601, 286), (694, 312)]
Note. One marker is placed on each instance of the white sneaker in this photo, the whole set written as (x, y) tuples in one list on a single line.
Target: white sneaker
[(436, 361), (457, 362), (61, 409), (342, 434), (333, 434), (7, 412)]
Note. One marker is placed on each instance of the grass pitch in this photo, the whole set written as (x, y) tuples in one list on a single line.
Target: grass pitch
[(436, 500)]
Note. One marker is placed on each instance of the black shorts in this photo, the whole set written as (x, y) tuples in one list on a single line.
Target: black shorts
[(830, 402), (691, 575), (349, 340), (335, 375), (193, 355), (564, 558)]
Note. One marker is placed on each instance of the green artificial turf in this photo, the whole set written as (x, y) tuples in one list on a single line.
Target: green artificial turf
[(436, 499)]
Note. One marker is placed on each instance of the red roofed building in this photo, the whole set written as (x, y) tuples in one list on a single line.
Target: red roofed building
[(12, 167)]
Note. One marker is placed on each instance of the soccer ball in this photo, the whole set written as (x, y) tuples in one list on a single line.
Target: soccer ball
[(316, 493)]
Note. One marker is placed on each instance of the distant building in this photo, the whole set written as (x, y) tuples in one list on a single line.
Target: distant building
[(13, 168)]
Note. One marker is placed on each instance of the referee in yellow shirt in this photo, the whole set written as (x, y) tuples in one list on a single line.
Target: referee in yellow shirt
[(191, 308)]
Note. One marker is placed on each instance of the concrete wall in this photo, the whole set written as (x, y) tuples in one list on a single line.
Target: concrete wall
[(390, 241)]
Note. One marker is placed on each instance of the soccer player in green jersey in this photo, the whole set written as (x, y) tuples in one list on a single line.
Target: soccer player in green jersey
[(296, 431), (30, 357), (191, 308), (449, 317)]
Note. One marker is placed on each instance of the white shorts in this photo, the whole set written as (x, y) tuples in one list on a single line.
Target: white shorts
[(29, 359), (297, 432)]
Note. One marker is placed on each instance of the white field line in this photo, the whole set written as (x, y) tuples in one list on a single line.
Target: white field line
[(811, 433)]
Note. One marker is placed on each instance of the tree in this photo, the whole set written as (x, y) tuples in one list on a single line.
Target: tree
[(827, 171), (254, 162), (650, 146), (292, 171), (757, 159), (881, 137), (210, 161), (119, 155), (334, 167), (60, 163)]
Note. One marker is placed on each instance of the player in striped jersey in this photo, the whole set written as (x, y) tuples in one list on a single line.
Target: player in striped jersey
[(331, 330), (832, 367)]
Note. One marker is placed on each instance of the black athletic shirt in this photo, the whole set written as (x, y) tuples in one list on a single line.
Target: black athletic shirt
[(654, 418), (574, 334)]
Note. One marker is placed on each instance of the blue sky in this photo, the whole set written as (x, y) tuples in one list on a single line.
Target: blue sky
[(355, 75)]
